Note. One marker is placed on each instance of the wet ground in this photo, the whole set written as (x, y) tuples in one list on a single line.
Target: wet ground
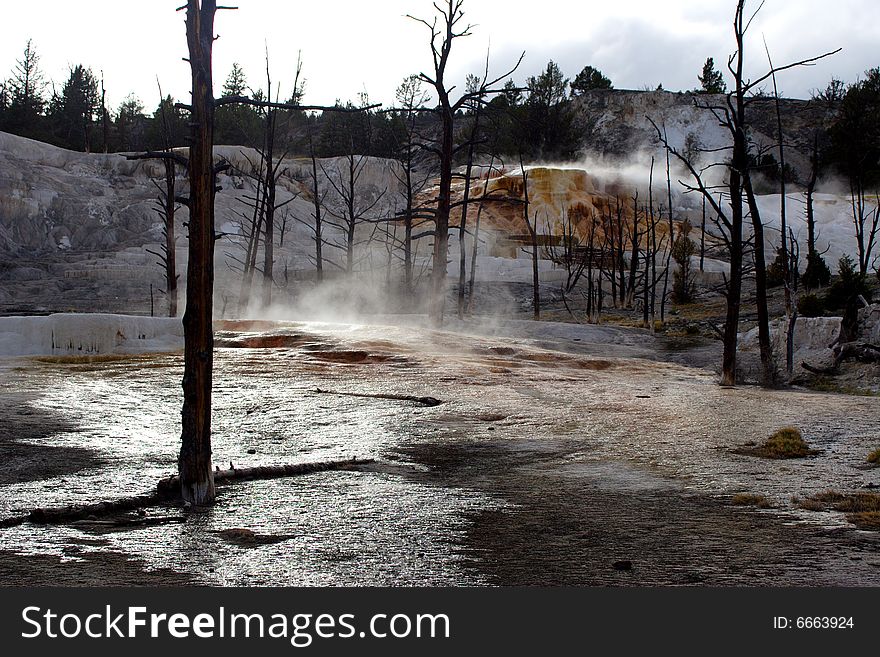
[(565, 455)]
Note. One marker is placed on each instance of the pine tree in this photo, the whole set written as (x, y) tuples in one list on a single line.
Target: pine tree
[(236, 83), (25, 95), (549, 121), (74, 110), (588, 79), (130, 124), (237, 124), (711, 80)]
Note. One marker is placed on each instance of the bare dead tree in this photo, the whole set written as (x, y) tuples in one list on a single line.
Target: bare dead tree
[(741, 198), (671, 236), (445, 28), (166, 207), (703, 235), (809, 194), (349, 209), (475, 108), (316, 225), (635, 239), (194, 463), (410, 98), (105, 116), (533, 234), (473, 274), (783, 220), (866, 222), (793, 253)]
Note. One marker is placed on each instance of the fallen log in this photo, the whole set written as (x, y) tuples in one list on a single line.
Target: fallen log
[(119, 523), (425, 401), (233, 474), (168, 491), (73, 512), (863, 352)]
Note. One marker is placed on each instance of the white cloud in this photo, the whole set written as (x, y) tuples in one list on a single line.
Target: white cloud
[(350, 45)]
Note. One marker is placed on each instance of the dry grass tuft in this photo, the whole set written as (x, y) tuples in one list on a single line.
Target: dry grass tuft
[(787, 443), (861, 509), (868, 520), (751, 499)]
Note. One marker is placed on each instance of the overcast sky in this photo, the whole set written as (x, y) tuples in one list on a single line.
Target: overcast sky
[(349, 46)]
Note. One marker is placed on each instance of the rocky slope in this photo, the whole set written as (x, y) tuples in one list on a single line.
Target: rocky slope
[(76, 228), (616, 124)]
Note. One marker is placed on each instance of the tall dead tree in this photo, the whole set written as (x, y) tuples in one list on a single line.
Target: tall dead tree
[(166, 206), (316, 225), (532, 227), (444, 30), (194, 464), (783, 219), (866, 222), (105, 117), (410, 98), (475, 108), (351, 209), (741, 198), (168, 202)]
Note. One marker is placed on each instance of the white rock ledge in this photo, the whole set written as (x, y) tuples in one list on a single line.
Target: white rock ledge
[(74, 334)]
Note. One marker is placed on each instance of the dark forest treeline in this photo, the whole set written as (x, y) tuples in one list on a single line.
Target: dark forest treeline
[(537, 121)]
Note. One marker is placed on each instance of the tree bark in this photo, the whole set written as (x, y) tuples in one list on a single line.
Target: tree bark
[(170, 239), (196, 473)]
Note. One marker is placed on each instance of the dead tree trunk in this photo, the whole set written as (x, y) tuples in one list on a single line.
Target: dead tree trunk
[(635, 239), (269, 214), (105, 116), (444, 30), (533, 233), (811, 190), (196, 473), (316, 200), (170, 238), (703, 236), (783, 223)]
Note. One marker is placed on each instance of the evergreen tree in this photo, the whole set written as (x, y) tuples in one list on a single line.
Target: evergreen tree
[(74, 110), (177, 126), (236, 82), (131, 124), (24, 96), (711, 81), (588, 79), (817, 273), (237, 124), (683, 249), (855, 136), (549, 121)]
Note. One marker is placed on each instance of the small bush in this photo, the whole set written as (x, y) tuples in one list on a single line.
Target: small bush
[(817, 273), (810, 305), (750, 499), (874, 457), (776, 270), (786, 443), (849, 285)]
